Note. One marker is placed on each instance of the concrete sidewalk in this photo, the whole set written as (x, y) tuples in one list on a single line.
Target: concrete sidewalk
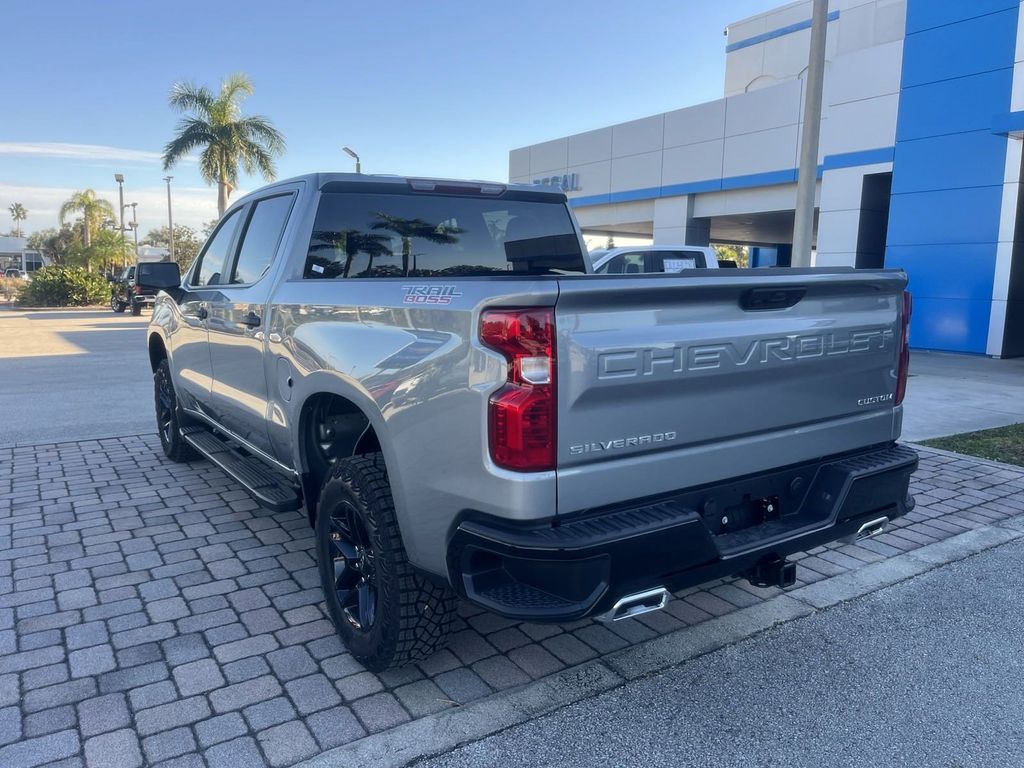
[(948, 394)]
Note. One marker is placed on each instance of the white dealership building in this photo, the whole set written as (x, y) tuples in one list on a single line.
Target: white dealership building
[(919, 165)]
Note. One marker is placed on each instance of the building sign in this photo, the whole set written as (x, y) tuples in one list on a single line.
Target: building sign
[(567, 182)]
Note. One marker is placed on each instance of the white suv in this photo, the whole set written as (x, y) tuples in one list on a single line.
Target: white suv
[(652, 258)]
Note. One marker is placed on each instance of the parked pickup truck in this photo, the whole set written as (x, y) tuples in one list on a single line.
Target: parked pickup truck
[(432, 372), (138, 285)]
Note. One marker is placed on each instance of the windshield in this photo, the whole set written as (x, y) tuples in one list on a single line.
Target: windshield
[(419, 235)]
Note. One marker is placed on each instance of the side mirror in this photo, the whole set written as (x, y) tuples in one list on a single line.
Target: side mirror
[(164, 276)]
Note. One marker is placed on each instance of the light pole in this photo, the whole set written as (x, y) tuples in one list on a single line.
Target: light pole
[(353, 155), (170, 218), (807, 180), (135, 228), (119, 178)]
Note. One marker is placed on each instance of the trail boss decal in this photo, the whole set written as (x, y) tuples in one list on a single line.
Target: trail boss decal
[(430, 294)]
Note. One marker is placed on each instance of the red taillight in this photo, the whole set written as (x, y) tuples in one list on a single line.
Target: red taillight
[(904, 365), (137, 289), (521, 415)]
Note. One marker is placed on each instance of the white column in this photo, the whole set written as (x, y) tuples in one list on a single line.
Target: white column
[(1004, 248), (840, 213), (675, 224)]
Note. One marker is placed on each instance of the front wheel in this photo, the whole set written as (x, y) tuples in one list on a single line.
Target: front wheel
[(167, 416), (116, 305), (386, 613)]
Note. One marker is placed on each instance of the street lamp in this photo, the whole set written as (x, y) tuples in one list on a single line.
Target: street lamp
[(353, 155), (170, 219)]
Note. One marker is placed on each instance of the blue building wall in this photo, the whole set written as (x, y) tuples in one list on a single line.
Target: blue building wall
[(948, 172)]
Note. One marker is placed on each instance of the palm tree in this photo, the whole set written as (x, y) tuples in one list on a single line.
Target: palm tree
[(93, 211), (19, 214), (228, 140), (352, 242), (408, 229)]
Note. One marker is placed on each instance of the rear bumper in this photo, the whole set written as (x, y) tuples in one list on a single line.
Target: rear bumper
[(565, 569)]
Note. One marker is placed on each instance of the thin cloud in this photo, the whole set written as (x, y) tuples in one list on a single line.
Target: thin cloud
[(192, 205), (52, 149)]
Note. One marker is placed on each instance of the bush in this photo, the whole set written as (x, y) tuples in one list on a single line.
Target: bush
[(64, 287)]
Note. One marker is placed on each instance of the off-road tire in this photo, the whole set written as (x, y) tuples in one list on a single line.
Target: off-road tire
[(116, 305), (413, 615), (136, 308), (169, 425)]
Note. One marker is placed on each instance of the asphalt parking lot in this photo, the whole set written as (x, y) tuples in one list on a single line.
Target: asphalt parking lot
[(72, 375), (152, 614), (925, 673)]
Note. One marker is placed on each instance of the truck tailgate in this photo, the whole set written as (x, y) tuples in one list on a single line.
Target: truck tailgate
[(671, 382)]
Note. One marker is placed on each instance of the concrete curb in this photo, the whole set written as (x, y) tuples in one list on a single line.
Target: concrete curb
[(444, 731), (90, 308)]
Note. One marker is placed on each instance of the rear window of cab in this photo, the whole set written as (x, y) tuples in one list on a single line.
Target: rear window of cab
[(360, 235)]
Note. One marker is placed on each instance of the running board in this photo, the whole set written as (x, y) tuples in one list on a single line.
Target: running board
[(262, 483)]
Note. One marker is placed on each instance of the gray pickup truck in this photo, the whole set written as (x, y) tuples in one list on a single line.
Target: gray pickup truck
[(463, 410)]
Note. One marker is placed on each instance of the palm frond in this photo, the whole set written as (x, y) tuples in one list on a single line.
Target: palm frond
[(258, 128), (234, 86), (191, 133), (188, 96)]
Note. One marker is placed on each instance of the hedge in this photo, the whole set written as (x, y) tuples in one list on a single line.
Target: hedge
[(64, 287)]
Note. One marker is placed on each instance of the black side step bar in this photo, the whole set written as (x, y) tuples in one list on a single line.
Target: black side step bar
[(262, 483)]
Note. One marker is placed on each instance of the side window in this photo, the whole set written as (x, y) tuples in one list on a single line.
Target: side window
[(677, 261), (211, 261), (260, 240), (624, 264)]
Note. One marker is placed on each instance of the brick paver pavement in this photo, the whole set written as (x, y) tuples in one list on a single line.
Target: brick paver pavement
[(152, 614)]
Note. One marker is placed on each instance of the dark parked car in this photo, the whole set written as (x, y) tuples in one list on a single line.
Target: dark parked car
[(127, 291)]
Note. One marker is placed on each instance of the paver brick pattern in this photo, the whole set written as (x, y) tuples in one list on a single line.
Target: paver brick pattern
[(152, 614)]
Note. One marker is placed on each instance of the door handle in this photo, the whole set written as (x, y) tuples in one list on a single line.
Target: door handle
[(252, 320)]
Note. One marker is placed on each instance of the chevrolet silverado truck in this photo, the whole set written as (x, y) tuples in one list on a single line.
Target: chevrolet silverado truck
[(431, 371)]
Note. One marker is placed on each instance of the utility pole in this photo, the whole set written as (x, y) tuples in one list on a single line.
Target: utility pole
[(807, 181), (170, 218)]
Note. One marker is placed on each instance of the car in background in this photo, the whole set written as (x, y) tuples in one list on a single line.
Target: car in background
[(652, 258), (138, 285), (17, 274)]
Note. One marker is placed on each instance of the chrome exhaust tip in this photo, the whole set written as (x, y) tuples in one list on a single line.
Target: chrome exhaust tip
[(868, 529), (637, 604)]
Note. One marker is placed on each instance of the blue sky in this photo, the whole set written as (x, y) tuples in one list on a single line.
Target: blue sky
[(418, 88)]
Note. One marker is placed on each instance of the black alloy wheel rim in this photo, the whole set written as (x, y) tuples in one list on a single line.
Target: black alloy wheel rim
[(165, 406), (355, 572)]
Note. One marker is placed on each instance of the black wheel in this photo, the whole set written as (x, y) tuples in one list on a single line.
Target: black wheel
[(116, 305), (136, 309), (167, 417), (386, 613)]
